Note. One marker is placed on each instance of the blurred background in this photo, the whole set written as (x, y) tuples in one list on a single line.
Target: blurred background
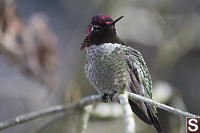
[(41, 64)]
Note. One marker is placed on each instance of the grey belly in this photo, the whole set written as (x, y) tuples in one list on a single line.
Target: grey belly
[(108, 74)]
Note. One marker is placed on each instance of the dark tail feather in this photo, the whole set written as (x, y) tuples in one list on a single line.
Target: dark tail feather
[(152, 120), (139, 112), (155, 122)]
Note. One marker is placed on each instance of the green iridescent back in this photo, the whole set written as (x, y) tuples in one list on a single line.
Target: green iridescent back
[(140, 69)]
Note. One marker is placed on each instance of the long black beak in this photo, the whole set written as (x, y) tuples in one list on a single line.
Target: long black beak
[(116, 20)]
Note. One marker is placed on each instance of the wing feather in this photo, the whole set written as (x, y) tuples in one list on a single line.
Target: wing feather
[(140, 70)]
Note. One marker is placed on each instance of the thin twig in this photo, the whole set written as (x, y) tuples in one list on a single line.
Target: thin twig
[(83, 102), (49, 111), (128, 114), (161, 106), (85, 119)]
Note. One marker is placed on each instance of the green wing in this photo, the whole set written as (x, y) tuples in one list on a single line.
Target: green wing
[(140, 70), (140, 84)]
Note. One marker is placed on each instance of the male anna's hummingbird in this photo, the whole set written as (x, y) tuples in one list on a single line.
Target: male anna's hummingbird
[(111, 65)]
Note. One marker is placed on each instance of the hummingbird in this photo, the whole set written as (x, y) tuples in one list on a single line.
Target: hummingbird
[(112, 65)]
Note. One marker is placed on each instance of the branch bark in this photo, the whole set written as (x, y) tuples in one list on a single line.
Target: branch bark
[(83, 125), (80, 104), (162, 106), (128, 114), (49, 111)]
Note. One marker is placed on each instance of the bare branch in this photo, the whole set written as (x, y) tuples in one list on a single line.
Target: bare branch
[(49, 111), (85, 118), (128, 114), (161, 106), (83, 102)]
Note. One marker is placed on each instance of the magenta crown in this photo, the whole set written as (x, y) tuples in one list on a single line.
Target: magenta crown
[(101, 19)]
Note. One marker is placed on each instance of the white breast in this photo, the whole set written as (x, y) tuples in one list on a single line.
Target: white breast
[(103, 67), (106, 48)]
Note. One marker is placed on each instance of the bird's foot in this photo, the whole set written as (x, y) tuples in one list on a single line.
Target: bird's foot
[(107, 97)]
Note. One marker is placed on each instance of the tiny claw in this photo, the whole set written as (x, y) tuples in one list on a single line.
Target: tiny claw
[(111, 96), (107, 97)]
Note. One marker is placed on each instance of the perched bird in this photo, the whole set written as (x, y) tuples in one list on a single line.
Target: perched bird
[(111, 65)]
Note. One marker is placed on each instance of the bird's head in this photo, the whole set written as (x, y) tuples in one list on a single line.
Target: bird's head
[(100, 29)]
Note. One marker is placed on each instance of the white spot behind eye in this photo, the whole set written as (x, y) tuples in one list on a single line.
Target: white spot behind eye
[(92, 28)]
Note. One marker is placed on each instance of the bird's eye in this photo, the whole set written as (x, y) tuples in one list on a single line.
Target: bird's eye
[(95, 28)]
